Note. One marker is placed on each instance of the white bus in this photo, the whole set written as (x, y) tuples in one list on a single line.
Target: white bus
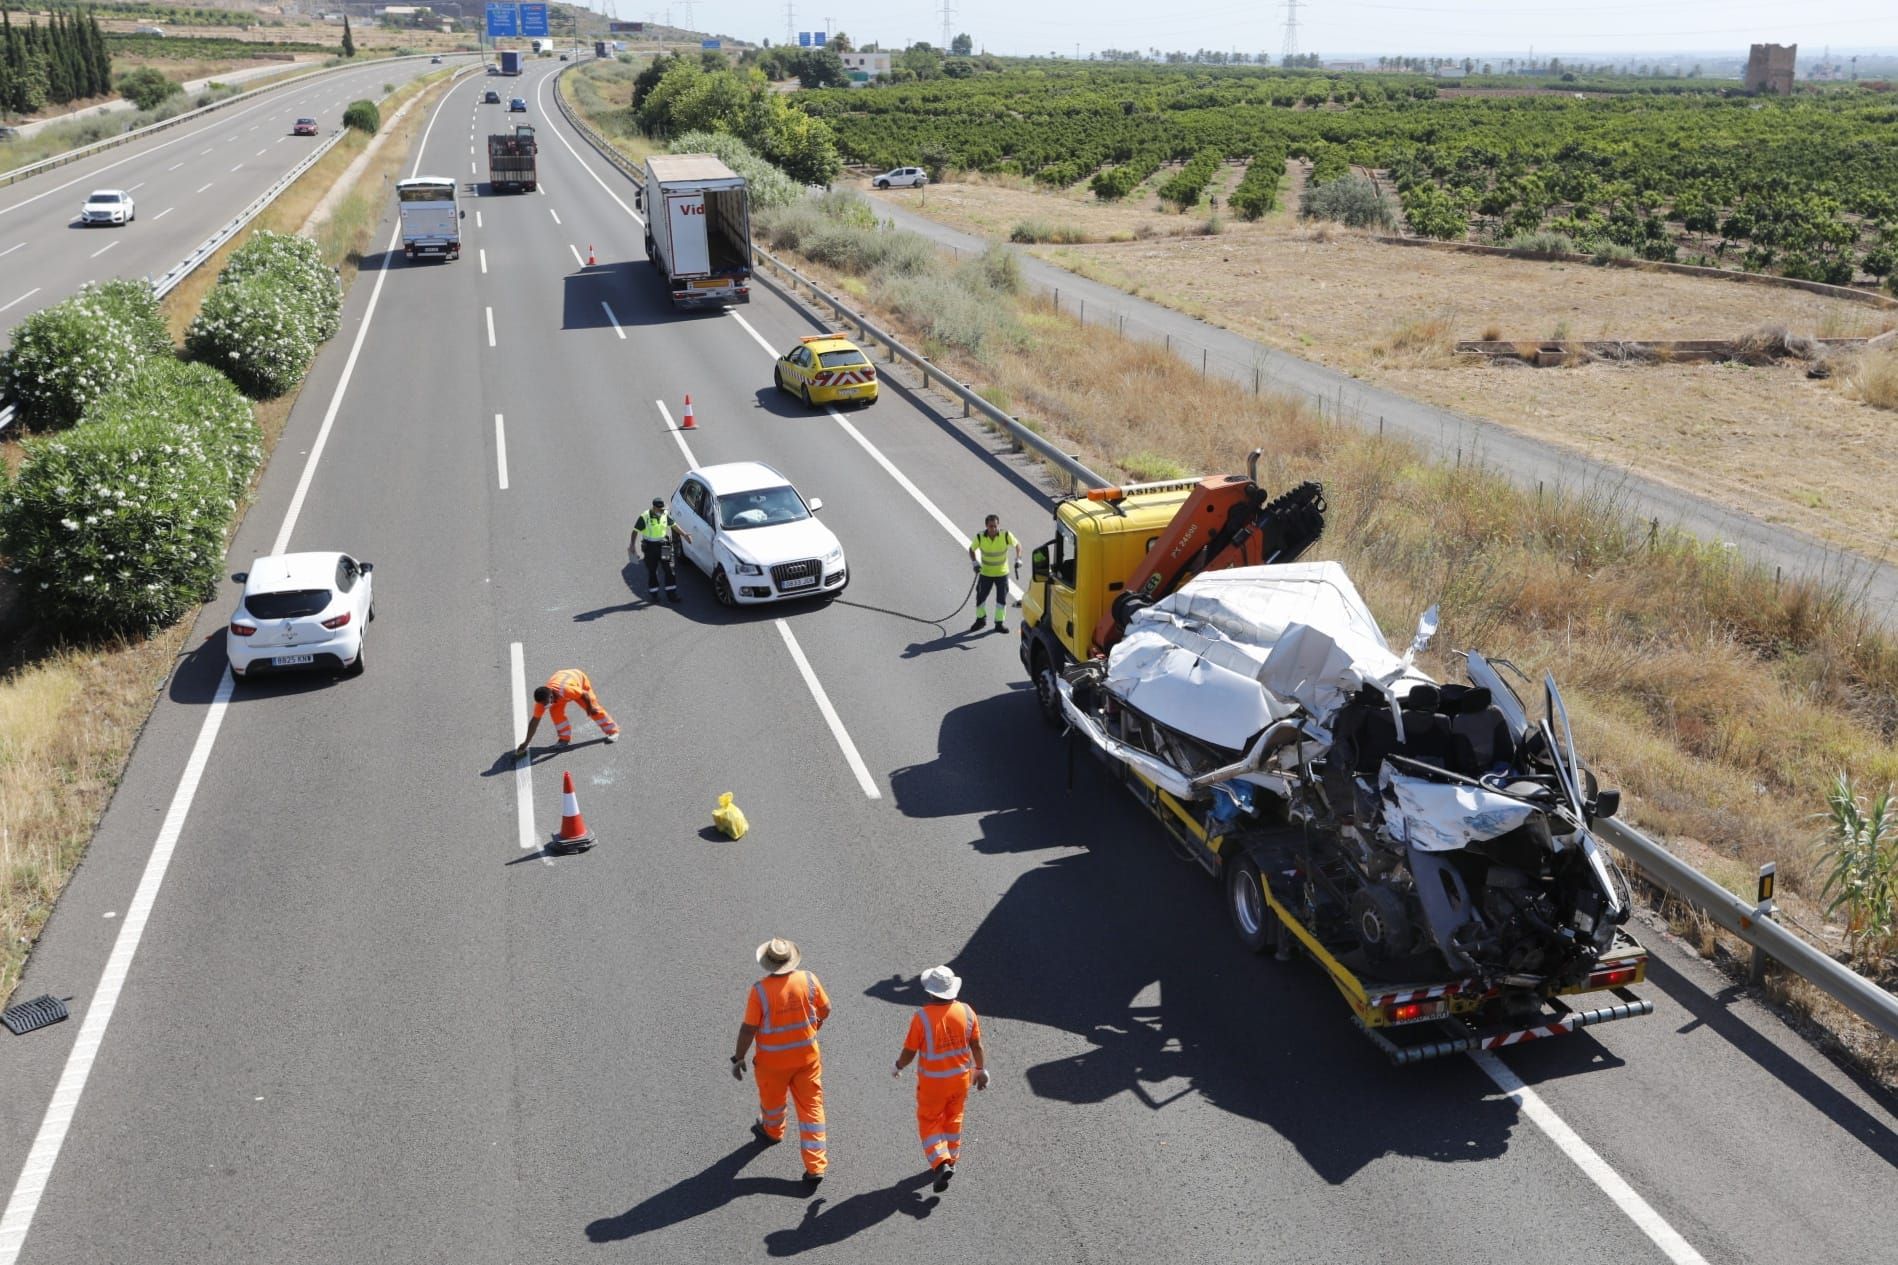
[(431, 217)]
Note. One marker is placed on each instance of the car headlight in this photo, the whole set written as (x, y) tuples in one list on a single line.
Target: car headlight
[(748, 568), (835, 555)]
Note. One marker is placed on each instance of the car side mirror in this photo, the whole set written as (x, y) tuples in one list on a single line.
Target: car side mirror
[(464, 215), (365, 567), (1607, 803), (240, 577), (1038, 565), (816, 503)]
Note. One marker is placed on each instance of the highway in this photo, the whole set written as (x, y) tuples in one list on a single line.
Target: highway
[(357, 1014), (186, 181)]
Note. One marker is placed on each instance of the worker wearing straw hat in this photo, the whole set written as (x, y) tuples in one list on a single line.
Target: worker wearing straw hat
[(783, 1012), (945, 1040)]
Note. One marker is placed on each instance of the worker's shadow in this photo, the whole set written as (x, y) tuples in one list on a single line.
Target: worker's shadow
[(823, 1227), (703, 1192), (504, 763), (634, 575)]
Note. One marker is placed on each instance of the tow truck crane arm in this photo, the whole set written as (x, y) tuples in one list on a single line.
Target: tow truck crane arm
[(1226, 522)]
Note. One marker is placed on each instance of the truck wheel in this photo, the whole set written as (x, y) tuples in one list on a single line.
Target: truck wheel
[(651, 258), (1046, 695), (1252, 918)]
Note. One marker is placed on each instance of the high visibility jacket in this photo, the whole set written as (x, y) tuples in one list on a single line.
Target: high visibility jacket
[(940, 1034), (994, 551), (653, 527), (786, 1009), (570, 685)]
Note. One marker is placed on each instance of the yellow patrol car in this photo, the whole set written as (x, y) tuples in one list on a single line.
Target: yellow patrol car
[(827, 369)]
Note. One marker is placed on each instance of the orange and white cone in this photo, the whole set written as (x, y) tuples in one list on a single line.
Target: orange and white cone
[(589, 254), (687, 423), (574, 835)]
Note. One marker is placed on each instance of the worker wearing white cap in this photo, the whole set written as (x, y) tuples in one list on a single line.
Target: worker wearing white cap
[(945, 1040), (783, 1012)]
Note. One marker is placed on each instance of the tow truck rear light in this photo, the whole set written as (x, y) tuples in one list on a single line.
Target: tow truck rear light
[(243, 630), (1411, 1011), (1612, 977), (338, 621)]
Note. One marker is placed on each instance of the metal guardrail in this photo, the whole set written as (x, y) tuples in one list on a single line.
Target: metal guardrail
[(126, 138), (1751, 923), (1078, 475)]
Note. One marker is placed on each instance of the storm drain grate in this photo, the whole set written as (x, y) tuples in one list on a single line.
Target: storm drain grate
[(38, 1013)]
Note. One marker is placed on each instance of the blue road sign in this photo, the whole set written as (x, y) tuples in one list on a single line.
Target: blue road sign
[(708, 44), (803, 39), (503, 19), (819, 39), (534, 20)]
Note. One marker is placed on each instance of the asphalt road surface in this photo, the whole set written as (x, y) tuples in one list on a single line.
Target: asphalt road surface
[(185, 181), (368, 1019)]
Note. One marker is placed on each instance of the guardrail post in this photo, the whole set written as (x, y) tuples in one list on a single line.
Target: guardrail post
[(1763, 909)]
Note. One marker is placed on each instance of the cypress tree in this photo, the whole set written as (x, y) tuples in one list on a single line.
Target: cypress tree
[(98, 60), (349, 41)]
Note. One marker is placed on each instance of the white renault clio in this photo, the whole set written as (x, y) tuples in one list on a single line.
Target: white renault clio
[(301, 610), (757, 539)]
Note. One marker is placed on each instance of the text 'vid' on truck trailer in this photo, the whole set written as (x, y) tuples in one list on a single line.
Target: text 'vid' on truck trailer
[(431, 218), (698, 228), (511, 160)]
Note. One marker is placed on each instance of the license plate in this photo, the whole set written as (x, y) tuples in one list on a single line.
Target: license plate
[(803, 583), (849, 390), (711, 283), (292, 660)]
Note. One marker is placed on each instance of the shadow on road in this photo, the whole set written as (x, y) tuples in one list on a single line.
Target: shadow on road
[(826, 1227), (703, 1192)]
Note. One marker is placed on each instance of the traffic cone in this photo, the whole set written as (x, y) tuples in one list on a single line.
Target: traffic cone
[(589, 254), (574, 835), (688, 423)]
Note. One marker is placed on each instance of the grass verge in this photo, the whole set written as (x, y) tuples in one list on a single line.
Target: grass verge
[(69, 716), (601, 92), (1722, 699)]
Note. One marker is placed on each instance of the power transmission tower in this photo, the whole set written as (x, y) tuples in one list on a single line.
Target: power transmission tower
[(790, 22), (1291, 29), (948, 24)]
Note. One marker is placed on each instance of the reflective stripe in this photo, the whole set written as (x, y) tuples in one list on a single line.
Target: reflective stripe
[(958, 1059), (993, 551), (811, 1146), (779, 1047), (948, 1075), (942, 1137)]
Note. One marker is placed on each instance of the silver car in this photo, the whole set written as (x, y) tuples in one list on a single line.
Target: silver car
[(901, 178)]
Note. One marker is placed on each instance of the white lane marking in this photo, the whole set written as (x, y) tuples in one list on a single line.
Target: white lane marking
[(51, 1137), (135, 188), (490, 327), (472, 170), (260, 153), (555, 214), (206, 185), (541, 189), (207, 149), (471, 149), (889, 467), (23, 298), (1638, 1210), (103, 249), (239, 167), (578, 258), (837, 729), (637, 217), (162, 214), (477, 219), (677, 434), (9, 250), (611, 317), (173, 167), (500, 449), (524, 767), (484, 262)]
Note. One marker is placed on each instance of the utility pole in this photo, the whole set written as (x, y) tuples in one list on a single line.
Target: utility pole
[(1291, 29), (790, 22), (948, 24)]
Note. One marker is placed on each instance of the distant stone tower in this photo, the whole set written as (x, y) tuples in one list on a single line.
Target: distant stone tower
[(1769, 68)]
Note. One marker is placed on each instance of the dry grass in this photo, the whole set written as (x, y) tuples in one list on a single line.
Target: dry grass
[(1873, 379), (1426, 343), (601, 92)]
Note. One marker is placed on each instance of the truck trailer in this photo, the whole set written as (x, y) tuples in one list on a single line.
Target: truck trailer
[(698, 228), (510, 61), (511, 160), (430, 216)]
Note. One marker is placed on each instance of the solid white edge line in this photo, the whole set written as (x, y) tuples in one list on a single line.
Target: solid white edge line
[(524, 767), (490, 312), (577, 258), (613, 318), (637, 217), (500, 449), (889, 467), (677, 434), (1583, 1156), (484, 260), (38, 1170), (831, 718)]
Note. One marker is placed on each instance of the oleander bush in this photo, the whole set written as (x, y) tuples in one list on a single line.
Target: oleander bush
[(118, 525), (295, 263), (257, 333), (67, 355)]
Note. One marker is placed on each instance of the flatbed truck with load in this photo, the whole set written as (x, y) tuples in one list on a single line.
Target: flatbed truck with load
[(698, 228), (1426, 844), (511, 160)]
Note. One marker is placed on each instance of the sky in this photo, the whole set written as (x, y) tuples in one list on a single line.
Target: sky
[(1333, 28)]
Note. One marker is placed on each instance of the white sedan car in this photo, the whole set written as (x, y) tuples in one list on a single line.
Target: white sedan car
[(901, 177), (108, 206), (755, 536), (301, 610)]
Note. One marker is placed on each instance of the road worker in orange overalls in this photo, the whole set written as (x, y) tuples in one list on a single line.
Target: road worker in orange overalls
[(783, 1012), (569, 685), (945, 1039)]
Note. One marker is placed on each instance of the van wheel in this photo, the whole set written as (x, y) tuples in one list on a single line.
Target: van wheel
[(1252, 918), (1046, 695), (722, 588)]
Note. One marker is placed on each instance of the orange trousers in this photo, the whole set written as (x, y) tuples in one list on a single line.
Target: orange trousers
[(590, 703), (939, 1108), (804, 1083)]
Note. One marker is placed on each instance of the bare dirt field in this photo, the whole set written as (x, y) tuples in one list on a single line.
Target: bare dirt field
[(1769, 440)]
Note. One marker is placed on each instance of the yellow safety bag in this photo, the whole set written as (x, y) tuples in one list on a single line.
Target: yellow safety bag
[(729, 817)]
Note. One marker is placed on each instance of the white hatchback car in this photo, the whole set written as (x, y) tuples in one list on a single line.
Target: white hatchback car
[(901, 177), (108, 206), (755, 536), (301, 610)]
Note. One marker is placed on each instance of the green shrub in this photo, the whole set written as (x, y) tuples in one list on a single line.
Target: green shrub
[(146, 87), (1352, 200), (296, 263), (1544, 242), (257, 333), (1029, 232), (363, 116), (69, 354), (1258, 191), (1185, 187), (769, 186), (118, 526), (1435, 212)]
